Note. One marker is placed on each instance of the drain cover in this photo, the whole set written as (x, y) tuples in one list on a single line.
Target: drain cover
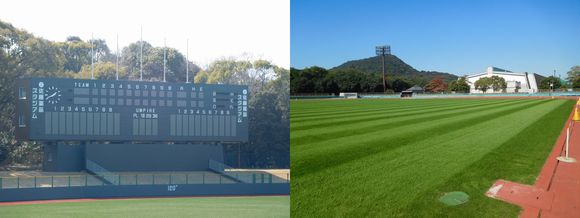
[(454, 198)]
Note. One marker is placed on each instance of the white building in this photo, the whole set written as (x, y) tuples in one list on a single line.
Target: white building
[(516, 82)]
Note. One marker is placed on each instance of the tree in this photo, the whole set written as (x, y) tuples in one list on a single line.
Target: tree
[(460, 85), (101, 50), (400, 84), (498, 83), (308, 80), (153, 63), (545, 83), (574, 77), (102, 70), (22, 55), (268, 145), (483, 84), (436, 85), (76, 52)]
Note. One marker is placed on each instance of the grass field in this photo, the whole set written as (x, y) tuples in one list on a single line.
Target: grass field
[(275, 206), (385, 158)]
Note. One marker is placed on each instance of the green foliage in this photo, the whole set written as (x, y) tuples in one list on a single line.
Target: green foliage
[(400, 84), (268, 106), (573, 76), (555, 81), (394, 67), (460, 85), (361, 76), (498, 83), (153, 63), (483, 84), (22, 55), (102, 70), (77, 54), (309, 80)]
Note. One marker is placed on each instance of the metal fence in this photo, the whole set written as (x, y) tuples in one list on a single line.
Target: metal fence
[(139, 179), (539, 93)]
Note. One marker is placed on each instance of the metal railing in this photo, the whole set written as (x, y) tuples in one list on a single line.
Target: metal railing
[(101, 172), (247, 176), (140, 179)]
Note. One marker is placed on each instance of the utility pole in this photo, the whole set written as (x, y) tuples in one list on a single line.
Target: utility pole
[(92, 57), (141, 57), (382, 51), (187, 63), (117, 63), (164, 57)]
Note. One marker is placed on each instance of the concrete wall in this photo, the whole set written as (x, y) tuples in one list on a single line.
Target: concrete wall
[(153, 157), (60, 157), (27, 194)]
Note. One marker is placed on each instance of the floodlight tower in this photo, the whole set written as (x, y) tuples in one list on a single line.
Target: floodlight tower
[(382, 51)]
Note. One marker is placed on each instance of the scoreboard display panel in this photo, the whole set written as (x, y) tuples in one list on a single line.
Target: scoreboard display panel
[(76, 109)]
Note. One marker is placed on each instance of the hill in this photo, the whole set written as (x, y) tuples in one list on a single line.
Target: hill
[(395, 67)]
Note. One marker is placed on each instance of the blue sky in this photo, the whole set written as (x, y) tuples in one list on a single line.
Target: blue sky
[(459, 37)]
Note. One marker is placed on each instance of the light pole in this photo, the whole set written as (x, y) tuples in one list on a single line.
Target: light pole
[(382, 51)]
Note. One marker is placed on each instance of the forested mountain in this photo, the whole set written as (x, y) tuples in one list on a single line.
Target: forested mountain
[(362, 75), (395, 67)]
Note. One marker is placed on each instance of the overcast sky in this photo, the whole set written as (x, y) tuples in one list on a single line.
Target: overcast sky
[(215, 28)]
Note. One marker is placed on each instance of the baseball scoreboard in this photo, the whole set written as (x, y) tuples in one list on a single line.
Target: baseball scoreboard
[(112, 110)]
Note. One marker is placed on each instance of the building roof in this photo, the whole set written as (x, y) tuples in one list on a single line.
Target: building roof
[(497, 69), (415, 88)]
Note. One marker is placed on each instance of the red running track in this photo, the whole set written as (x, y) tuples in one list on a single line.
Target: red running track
[(556, 192)]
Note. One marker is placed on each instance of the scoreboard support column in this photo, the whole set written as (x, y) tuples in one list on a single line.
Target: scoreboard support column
[(63, 157)]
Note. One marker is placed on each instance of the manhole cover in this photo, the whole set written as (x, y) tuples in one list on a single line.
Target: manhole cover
[(454, 198)]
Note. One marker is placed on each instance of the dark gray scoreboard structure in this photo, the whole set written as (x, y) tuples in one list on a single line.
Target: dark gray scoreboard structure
[(111, 110)]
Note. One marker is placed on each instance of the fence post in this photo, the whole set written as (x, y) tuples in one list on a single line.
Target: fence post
[(68, 181), (18, 182), (86, 180), (119, 177), (220, 179), (136, 178), (254, 178), (270, 178), (262, 178), (203, 178), (169, 179), (0, 182), (153, 175), (186, 178), (52, 181), (34, 181)]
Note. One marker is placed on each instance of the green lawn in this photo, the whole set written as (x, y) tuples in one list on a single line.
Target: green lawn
[(385, 158), (275, 206)]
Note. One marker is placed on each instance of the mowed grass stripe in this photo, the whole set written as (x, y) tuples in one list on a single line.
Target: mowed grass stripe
[(367, 115), (382, 184), (380, 123), (520, 160), (349, 149), (362, 108)]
